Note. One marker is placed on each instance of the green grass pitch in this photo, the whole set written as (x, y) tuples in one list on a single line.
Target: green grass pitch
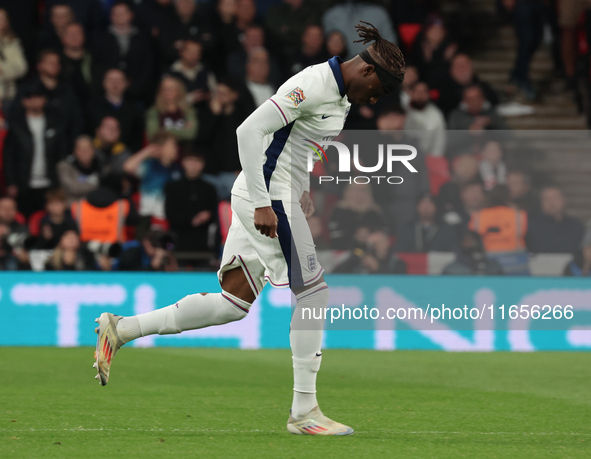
[(211, 403)]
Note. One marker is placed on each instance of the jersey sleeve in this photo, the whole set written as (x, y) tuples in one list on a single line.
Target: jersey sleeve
[(298, 97)]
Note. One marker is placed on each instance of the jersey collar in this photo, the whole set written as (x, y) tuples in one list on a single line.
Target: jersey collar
[(334, 62)]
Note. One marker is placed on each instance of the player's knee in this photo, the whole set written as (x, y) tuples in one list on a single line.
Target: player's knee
[(235, 283)]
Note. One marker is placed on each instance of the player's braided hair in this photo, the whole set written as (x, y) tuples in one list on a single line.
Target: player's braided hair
[(389, 53)]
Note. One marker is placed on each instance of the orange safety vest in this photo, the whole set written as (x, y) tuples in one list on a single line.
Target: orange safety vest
[(502, 228), (104, 224)]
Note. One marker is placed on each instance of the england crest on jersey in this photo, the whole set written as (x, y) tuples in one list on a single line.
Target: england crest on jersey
[(312, 262)]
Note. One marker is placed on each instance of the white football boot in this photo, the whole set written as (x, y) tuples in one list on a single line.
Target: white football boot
[(315, 423), (108, 343)]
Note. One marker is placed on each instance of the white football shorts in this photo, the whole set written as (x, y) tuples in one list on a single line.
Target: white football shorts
[(288, 260)]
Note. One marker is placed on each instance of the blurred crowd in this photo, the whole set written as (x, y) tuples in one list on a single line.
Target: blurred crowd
[(118, 146)]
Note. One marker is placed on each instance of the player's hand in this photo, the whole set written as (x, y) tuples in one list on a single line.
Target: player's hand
[(307, 204), (265, 221)]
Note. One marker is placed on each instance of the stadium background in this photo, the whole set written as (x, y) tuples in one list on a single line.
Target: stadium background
[(228, 57)]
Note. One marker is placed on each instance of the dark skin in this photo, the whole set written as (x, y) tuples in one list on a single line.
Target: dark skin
[(362, 86)]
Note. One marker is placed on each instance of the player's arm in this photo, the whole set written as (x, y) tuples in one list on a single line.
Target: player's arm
[(251, 134)]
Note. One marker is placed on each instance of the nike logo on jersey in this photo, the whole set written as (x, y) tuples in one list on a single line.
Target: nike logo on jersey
[(326, 116)]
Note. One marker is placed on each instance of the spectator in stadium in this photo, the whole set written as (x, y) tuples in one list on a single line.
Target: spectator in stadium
[(155, 166), (552, 231), (461, 76), (286, 23), (432, 51), (14, 239), (411, 78), (569, 13), (171, 112), (475, 113), (8, 215), (77, 63), (13, 64), (152, 17), (336, 45), (191, 206), (311, 50), (246, 13), (199, 81), (191, 21), (229, 106), (426, 119), (154, 252), (103, 214), (471, 259), (60, 16), (80, 172), (257, 76), (580, 266), (226, 35), (426, 233), (115, 104), (464, 171), (109, 148), (354, 217), (501, 226), (89, 13), (520, 190), (56, 222), (374, 256), (123, 46), (400, 201), (472, 199), (34, 145), (493, 170), (529, 19), (58, 93), (69, 255), (345, 16)]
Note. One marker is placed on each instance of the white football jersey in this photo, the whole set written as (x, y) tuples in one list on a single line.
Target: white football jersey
[(313, 106)]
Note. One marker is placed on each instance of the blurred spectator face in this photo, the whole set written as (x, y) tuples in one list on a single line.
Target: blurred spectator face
[(380, 243), (553, 202), (73, 37), (185, 8), (225, 94), (60, 17), (69, 241), (391, 121), (492, 152), (246, 11), (191, 54), (426, 209), (358, 197), (518, 185), (419, 96), (411, 77), (335, 44), (7, 210), (109, 131), (474, 100), (257, 67), (227, 8), (4, 22), (115, 83), (465, 167), (84, 151), (193, 166), (254, 37), (295, 4), (121, 16), (435, 33), (34, 104), (312, 39), (473, 196), (169, 90), (461, 70), (56, 207), (169, 152), (49, 66)]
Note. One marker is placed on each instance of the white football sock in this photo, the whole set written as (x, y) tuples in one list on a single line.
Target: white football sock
[(306, 341), (192, 312)]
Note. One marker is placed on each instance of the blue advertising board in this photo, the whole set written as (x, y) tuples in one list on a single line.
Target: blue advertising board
[(59, 308)]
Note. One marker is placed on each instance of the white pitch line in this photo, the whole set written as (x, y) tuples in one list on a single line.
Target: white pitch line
[(398, 432)]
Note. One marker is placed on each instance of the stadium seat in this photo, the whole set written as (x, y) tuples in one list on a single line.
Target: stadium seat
[(416, 263), (408, 34)]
